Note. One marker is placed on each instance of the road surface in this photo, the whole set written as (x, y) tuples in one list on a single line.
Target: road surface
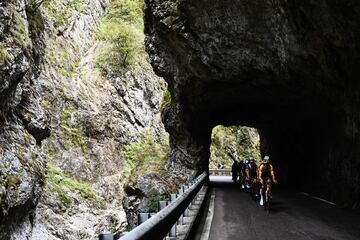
[(294, 216)]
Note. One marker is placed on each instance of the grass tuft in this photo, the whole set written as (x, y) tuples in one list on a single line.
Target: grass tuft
[(63, 184), (122, 28), (145, 156)]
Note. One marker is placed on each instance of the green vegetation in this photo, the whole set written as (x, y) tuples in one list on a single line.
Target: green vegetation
[(4, 55), (61, 60), (62, 11), (28, 138), (72, 136), (242, 140), (63, 184), (13, 181), (145, 156), (45, 104), (30, 160), (19, 34), (166, 101), (122, 29)]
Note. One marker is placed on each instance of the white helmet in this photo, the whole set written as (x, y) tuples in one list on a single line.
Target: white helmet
[(266, 158)]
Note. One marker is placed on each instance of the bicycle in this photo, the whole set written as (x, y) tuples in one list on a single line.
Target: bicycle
[(254, 190), (267, 197)]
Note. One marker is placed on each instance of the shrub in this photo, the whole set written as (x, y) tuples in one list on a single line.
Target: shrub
[(62, 12), (145, 156), (122, 29)]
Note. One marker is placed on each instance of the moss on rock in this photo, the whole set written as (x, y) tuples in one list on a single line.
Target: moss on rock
[(19, 32), (165, 102), (62, 12), (13, 181), (63, 185), (147, 155), (4, 55)]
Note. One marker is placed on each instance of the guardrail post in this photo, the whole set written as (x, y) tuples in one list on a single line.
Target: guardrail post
[(180, 191), (106, 236), (172, 232), (142, 217), (191, 203), (186, 212), (161, 206)]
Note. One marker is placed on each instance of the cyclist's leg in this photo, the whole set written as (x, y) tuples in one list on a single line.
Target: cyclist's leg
[(256, 189), (243, 179), (262, 192), (268, 182), (252, 189), (268, 195)]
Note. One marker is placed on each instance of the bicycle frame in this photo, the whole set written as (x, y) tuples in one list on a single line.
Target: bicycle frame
[(267, 198)]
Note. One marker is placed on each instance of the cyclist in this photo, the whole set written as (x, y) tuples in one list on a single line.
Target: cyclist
[(235, 171), (252, 176), (240, 172), (266, 175), (243, 173)]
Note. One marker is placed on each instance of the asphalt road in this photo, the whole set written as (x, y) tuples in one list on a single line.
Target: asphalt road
[(293, 216)]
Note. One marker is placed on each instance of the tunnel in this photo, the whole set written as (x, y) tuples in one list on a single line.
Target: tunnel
[(288, 68)]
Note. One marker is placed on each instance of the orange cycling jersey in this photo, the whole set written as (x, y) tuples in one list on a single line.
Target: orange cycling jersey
[(266, 170)]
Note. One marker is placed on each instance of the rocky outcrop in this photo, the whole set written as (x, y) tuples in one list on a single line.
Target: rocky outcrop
[(22, 122), (94, 114), (288, 68), (64, 122)]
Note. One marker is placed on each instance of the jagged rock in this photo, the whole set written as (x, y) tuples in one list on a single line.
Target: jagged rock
[(56, 108), (22, 164), (144, 196)]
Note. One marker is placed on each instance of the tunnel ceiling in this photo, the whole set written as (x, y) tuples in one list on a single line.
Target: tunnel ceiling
[(261, 56), (283, 66)]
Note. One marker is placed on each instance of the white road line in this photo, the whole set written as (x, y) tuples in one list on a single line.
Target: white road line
[(206, 230), (317, 198)]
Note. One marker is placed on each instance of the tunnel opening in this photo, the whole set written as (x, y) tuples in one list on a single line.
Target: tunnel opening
[(306, 147), (231, 143)]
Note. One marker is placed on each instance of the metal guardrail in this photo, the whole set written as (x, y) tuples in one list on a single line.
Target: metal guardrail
[(224, 171), (160, 224)]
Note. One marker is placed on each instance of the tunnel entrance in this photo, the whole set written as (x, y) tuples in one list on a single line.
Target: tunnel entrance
[(240, 142), (286, 70)]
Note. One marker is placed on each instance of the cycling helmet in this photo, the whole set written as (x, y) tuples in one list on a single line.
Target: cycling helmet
[(266, 159), (251, 159)]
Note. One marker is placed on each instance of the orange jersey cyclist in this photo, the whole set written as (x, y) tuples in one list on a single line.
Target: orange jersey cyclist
[(266, 175)]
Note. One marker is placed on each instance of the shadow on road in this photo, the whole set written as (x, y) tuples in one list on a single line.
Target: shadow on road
[(293, 216), (277, 207), (225, 182)]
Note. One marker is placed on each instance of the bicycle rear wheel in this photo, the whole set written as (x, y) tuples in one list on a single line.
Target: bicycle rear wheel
[(267, 200), (268, 204)]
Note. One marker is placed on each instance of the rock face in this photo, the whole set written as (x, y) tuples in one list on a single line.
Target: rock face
[(63, 123), (23, 124), (288, 68)]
